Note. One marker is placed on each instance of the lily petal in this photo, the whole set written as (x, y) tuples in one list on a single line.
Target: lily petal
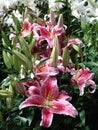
[(63, 107), (81, 87), (64, 95), (46, 118), (33, 90), (49, 88), (93, 85), (34, 100)]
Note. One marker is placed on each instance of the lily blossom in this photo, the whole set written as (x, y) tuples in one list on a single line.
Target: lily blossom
[(81, 78), (26, 28), (45, 70), (51, 101), (50, 31), (74, 41)]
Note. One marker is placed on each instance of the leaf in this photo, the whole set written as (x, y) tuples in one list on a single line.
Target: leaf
[(82, 117), (41, 63), (25, 47), (78, 49), (1, 117), (90, 63), (7, 60), (32, 43), (16, 62), (23, 58), (5, 40), (17, 24)]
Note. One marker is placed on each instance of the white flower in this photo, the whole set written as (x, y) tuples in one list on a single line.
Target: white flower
[(29, 3), (6, 4), (53, 5), (87, 10), (9, 20)]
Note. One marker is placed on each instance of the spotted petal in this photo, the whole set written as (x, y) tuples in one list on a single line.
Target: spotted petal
[(49, 88)]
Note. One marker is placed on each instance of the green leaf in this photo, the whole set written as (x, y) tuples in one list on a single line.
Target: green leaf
[(90, 63), (25, 47), (7, 60), (96, 27), (23, 58), (82, 117), (78, 49), (1, 117), (32, 43), (17, 24), (41, 63), (5, 40), (16, 62)]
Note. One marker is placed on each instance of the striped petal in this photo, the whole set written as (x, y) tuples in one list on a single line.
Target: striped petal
[(34, 100), (93, 85), (46, 118), (63, 107), (49, 88)]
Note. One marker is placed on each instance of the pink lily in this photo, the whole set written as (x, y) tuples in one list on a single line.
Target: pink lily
[(83, 77), (51, 101), (33, 87), (51, 30), (45, 70), (73, 41), (26, 28)]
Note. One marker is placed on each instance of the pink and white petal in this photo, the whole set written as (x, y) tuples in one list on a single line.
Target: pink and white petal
[(84, 74), (49, 88), (33, 90), (93, 85), (52, 71), (44, 32), (63, 107), (64, 95), (34, 100), (81, 88), (46, 118), (31, 83)]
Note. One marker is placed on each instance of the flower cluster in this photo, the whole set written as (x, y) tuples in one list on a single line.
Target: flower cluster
[(53, 60)]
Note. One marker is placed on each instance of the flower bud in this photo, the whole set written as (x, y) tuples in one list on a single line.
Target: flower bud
[(19, 87), (65, 56), (22, 72), (9, 100), (54, 53)]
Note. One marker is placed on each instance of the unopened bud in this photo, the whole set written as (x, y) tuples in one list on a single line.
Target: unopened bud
[(22, 72), (54, 53), (65, 56), (9, 100), (19, 87)]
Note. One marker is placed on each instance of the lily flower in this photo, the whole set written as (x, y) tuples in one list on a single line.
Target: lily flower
[(50, 31), (51, 101), (81, 78), (73, 41), (26, 28), (45, 70)]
